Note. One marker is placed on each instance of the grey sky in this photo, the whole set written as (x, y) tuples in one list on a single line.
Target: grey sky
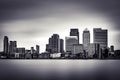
[(32, 22)]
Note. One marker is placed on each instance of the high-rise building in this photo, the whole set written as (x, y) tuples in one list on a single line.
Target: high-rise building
[(32, 50), (6, 45), (74, 32), (61, 45), (13, 47), (100, 36), (37, 49), (20, 53), (70, 41), (48, 48), (54, 44), (86, 39)]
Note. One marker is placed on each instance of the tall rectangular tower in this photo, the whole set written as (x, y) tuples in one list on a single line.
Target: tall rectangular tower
[(86, 39), (70, 41), (6, 45), (74, 32), (101, 37)]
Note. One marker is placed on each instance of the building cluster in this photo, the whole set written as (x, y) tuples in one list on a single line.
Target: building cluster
[(11, 51), (73, 49)]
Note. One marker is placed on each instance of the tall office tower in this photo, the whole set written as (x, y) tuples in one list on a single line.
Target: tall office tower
[(86, 39), (101, 37), (48, 48), (37, 49), (61, 45), (54, 44), (6, 45), (13, 47), (74, 32), (70, 41), (32, 50)]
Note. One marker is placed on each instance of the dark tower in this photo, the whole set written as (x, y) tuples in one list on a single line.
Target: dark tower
[(61, 45), (74, 32), (37, 49), (54, 44), (100, 36), (6, 45)]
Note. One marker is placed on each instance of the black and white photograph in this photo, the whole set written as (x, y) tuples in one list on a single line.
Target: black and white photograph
[(59, 40)]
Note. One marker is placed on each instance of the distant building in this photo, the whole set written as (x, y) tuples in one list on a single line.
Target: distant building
[(48, 48), (13, 47), (45, 55), (17, 55), (70, 41), (112, 48), (28, 56), (54, 44), (20, 50), (37, 49), (27, 51), (94, 51), (32, 50), (100, 37), (55, 55), (75, 32), (77, 49), (111, 51), (6, 45), (104, 53), (61, 45), (86, 39)]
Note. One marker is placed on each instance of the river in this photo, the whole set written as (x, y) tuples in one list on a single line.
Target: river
[(59, 69)]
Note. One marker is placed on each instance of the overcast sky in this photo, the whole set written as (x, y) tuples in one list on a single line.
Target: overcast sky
[(32, 22)]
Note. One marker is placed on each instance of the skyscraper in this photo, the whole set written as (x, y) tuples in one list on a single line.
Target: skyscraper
[(61, 45), (54, 44), (100, 36), (32, 50), (70, 41), (37, 49), (6, 45), (74, 32), (13, 47), (86, 39)]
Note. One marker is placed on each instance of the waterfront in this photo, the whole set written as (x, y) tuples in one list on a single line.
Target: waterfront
[(59, 69)]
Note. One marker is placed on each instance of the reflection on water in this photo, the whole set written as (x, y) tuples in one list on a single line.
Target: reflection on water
[(59, 69)]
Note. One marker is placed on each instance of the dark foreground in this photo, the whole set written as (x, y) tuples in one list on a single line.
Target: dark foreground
[(59, 69)]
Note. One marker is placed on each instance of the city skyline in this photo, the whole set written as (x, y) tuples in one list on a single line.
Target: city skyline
[(35, 20), (43, 45), (98, 49), (60, 39)]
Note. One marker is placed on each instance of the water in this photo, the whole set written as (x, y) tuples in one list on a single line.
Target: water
[(59, 69)]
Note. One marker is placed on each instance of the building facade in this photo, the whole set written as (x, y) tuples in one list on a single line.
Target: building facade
[(70, 41), (100, 37), (94, 51), (77, 49), (54, 44), (86, 39), (6, 45), (75, 32)]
